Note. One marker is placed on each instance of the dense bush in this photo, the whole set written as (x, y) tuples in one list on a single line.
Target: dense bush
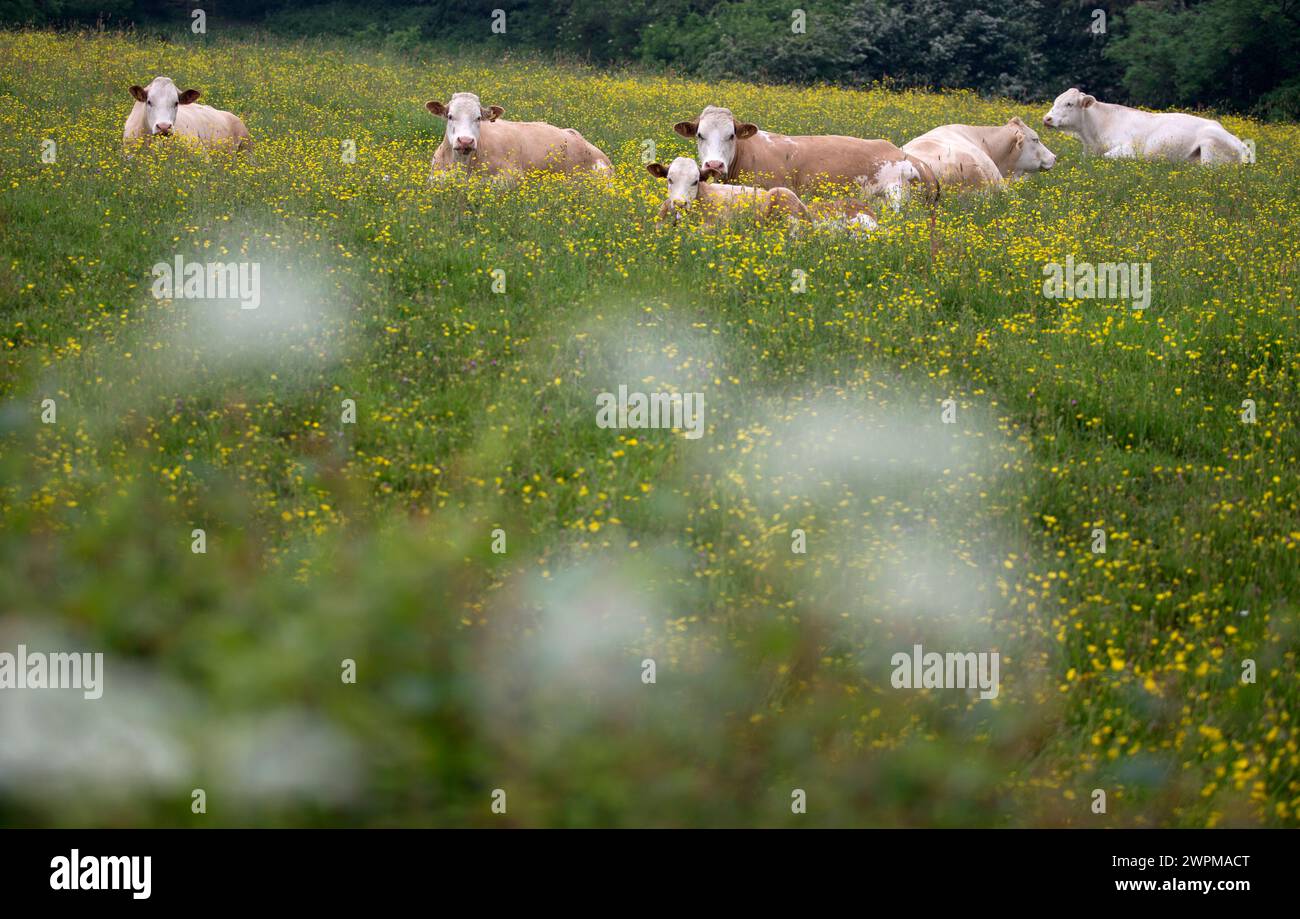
[(40, 12), (1240, 54)]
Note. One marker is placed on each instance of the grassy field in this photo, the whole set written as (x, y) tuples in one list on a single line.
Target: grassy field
[(522, 671)]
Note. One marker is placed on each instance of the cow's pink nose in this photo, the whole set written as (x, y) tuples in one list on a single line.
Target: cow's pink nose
[(163, 127), (464, 143), (1047, 120), (715, 164)]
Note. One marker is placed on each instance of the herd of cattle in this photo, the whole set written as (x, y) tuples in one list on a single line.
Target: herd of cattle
[(758, 170)]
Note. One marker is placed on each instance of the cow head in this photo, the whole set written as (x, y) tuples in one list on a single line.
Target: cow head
[(684, 177), (463, 114), (161, 99), (1067, 111), (1032, 154), (716, 132)]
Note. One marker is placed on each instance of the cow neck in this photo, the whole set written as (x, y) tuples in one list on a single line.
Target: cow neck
[(1000, 157), (1100, 118), (742, 146), (136, 120)]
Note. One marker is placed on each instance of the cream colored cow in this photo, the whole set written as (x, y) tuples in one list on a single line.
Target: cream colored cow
[(687, 188), (478, 140), (968, 156), (161, 110)]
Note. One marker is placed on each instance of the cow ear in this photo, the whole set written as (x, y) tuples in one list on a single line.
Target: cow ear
[(189, 96), (1087, 101), (436, 107), (746, 129), (1017, 121), (658, 170), (138, 93), (492, 112), (1020, 139), (687, 128)]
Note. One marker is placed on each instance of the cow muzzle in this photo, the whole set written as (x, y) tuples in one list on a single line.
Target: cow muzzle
[(162, 129), (717, 167), (465, 145), (1047, 120)]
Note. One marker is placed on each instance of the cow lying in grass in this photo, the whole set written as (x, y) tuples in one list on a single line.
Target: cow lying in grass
[(968, 156), (740, 152), (1120, 132), (688, 187), (477, 140), (161, 110)]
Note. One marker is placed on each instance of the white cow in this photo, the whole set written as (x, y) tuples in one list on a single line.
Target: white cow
[(1118, 131), (161, 110)]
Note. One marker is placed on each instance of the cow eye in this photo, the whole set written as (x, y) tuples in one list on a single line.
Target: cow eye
[(733, 136), (695, 182)]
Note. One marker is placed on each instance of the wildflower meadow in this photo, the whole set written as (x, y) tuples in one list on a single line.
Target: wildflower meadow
[(362, 555)]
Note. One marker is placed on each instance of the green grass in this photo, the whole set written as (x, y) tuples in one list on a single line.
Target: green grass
[(476, 411)]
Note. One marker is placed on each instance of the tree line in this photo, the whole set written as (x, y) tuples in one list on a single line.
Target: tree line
[(1235, 55)]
